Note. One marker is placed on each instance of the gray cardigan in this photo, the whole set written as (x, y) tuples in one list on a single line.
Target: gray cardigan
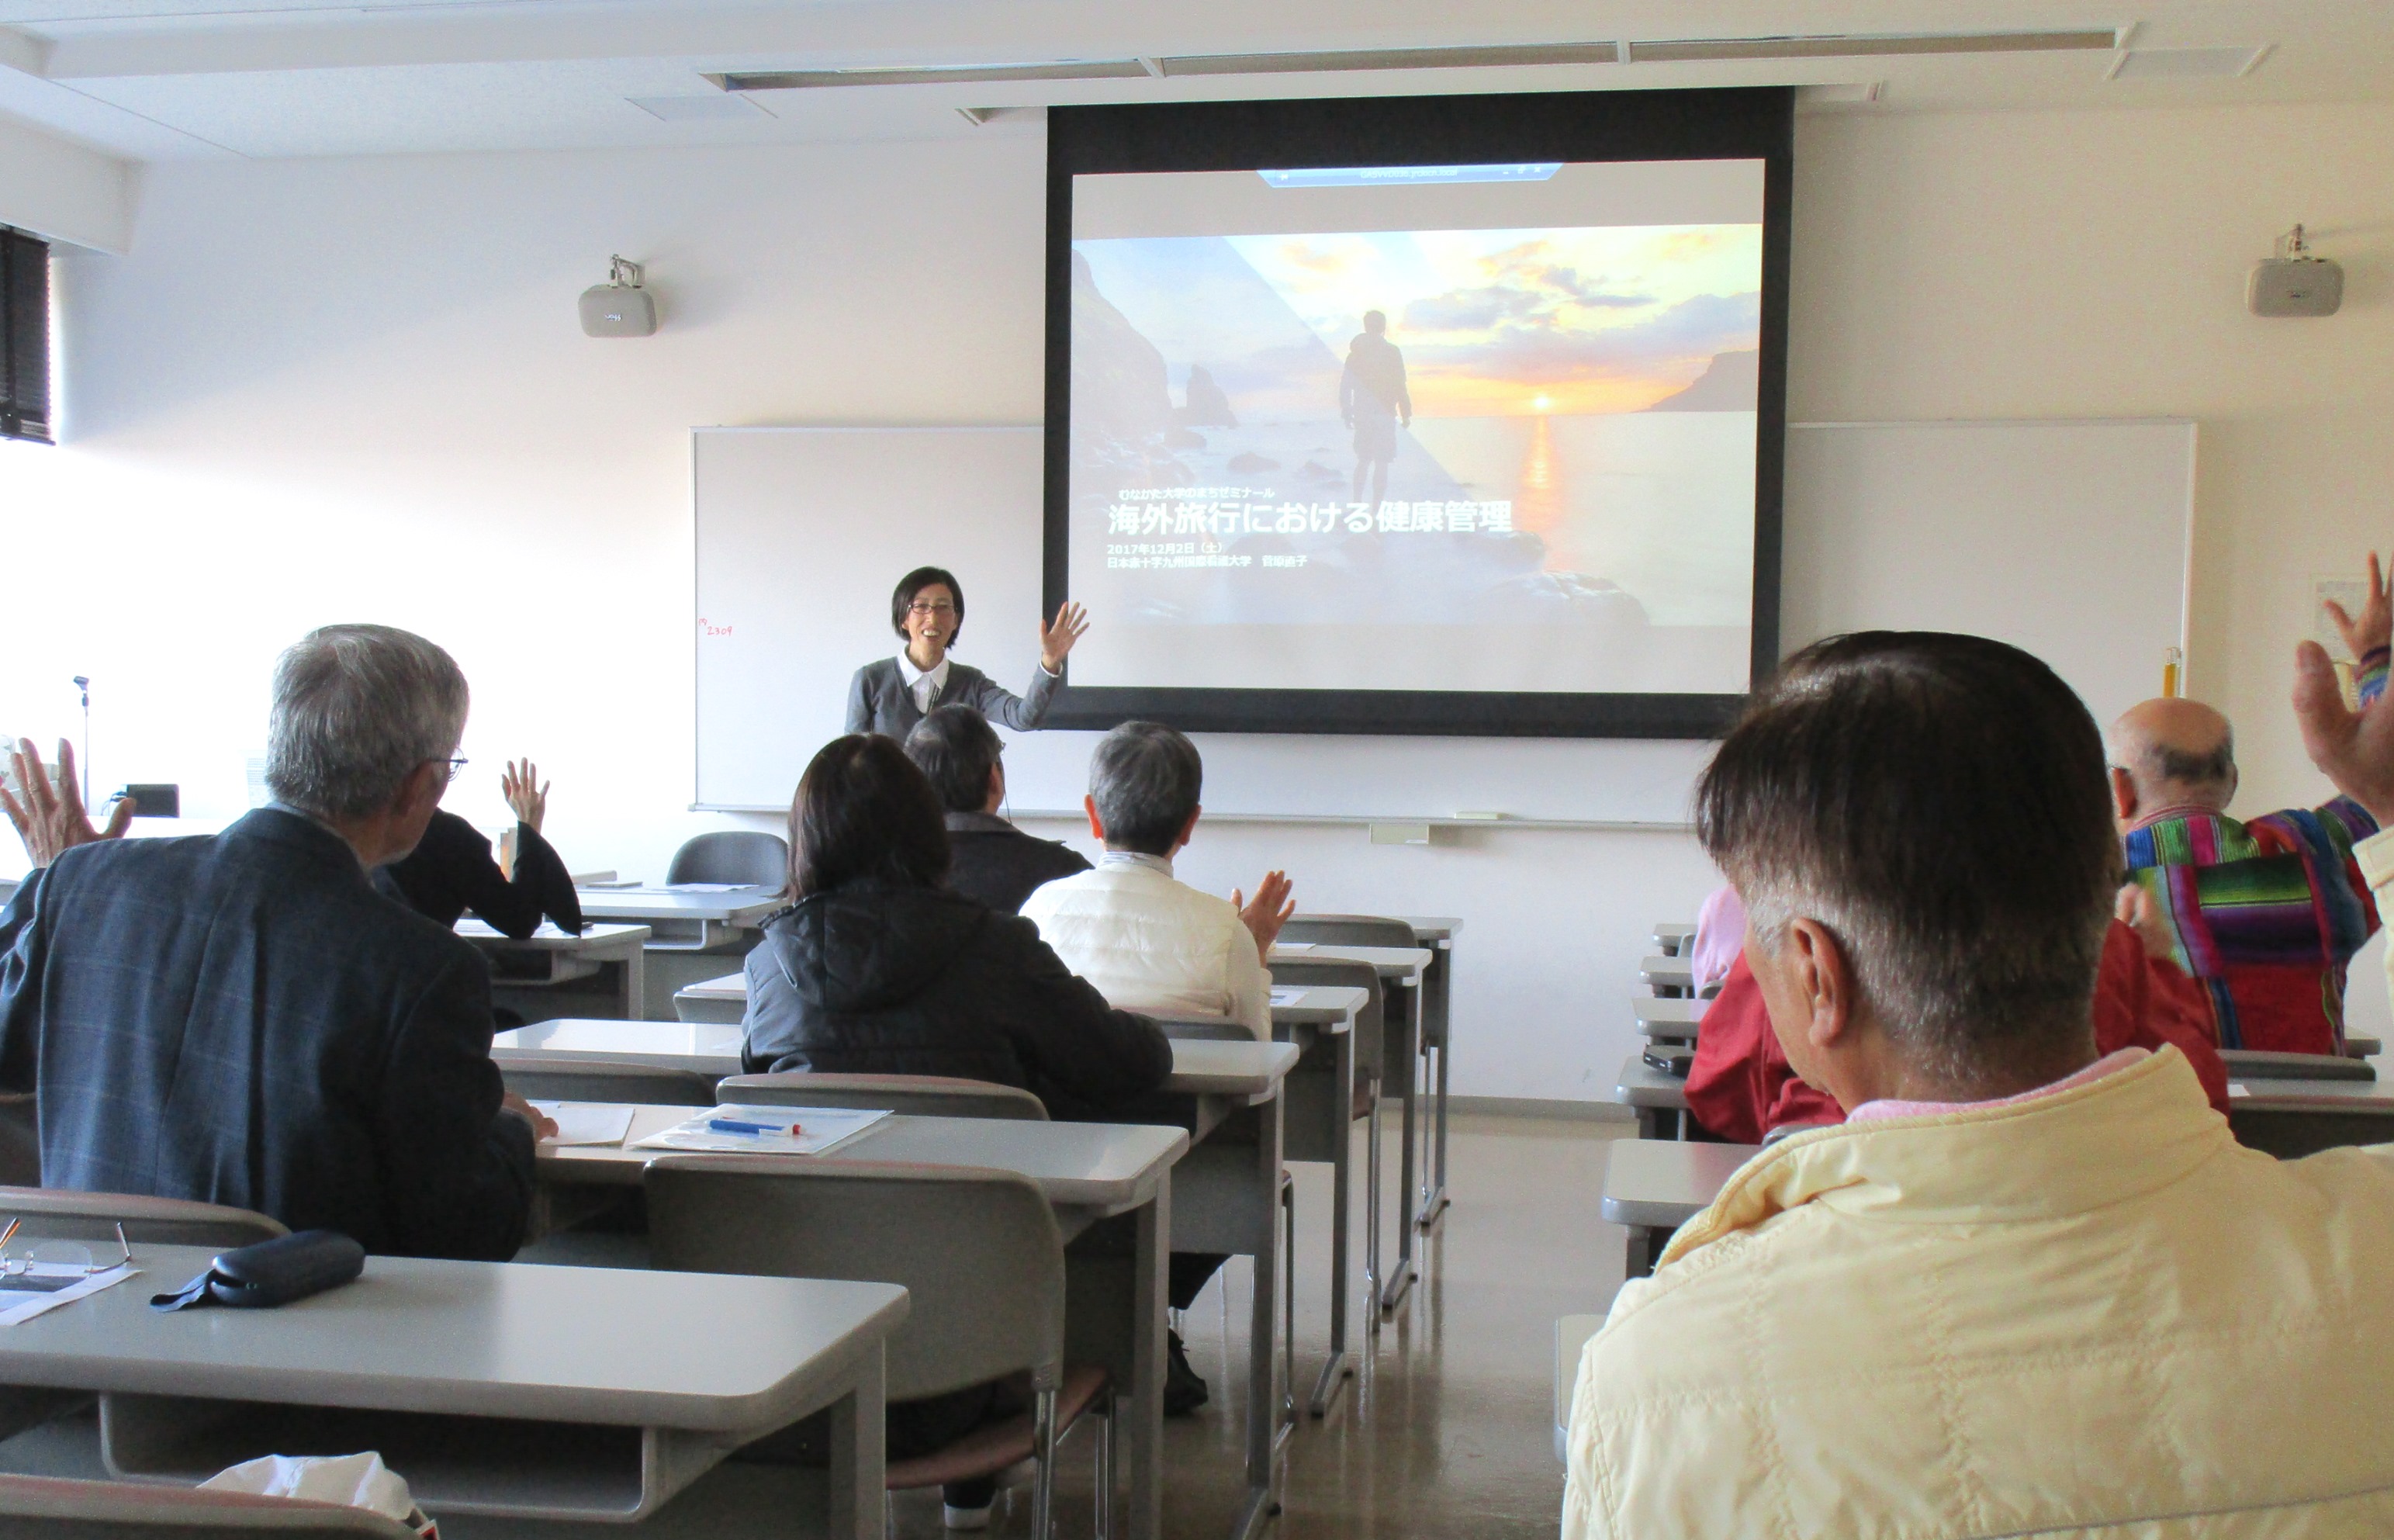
[(879, 701)]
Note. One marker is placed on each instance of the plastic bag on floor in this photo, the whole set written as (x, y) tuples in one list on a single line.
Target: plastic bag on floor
[(351, 1481)]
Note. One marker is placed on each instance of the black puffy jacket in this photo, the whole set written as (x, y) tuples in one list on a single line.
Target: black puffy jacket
[(882, 978)]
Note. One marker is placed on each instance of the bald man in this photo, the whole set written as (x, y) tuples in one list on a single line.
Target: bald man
[(2265, 914)]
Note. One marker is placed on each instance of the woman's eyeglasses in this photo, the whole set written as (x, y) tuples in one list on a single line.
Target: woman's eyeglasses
[(938, 607)]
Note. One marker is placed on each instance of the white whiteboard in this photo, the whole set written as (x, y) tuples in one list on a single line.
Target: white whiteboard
[(2066, 538)]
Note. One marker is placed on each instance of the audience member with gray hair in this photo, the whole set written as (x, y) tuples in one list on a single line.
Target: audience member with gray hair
[(1148, 941), (2027, 1287), (1151, 942), (240, 1017)]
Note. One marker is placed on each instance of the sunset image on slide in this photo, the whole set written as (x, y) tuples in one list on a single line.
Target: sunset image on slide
[(1428, 429)]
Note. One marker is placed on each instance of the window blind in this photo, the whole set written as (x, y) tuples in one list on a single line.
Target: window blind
[(24, 337)]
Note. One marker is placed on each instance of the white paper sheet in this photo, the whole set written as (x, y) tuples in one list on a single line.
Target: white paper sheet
[(704, 887), (819, 1128), (19, 1304), (1292, 946), (1286, 994), (588, 1122)]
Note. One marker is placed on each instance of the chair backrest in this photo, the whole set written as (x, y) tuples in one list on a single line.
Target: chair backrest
[(56, 1214), (2259, 1064), (977, 1251), (1370, 1022), (750, 857), (1349, 930), (48, 1508), (20, 1142), (542, 1078), (916, 1094)]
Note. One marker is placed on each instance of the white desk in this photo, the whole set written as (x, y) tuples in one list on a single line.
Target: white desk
[(1667, 1020), (602, 1423), (1402, 970), (1672, 938), (1318, 1023), (683, 921), (1668, 976), (1655, 1186), (1660, 1100), (724, 999), (1436, 932), (1087, 1171), (560, 957)]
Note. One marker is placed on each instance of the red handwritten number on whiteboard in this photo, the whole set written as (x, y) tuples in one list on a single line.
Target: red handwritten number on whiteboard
[(708, 629)]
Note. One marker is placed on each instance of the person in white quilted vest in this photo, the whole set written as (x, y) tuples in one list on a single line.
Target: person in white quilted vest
[(1137, 932), (1148, 941), (2022, 1290)]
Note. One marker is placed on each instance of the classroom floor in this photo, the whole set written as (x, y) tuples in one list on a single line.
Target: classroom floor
[(1447, 1429)]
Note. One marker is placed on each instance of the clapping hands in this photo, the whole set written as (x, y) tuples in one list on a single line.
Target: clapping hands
[(1270, 910), (50, 818)]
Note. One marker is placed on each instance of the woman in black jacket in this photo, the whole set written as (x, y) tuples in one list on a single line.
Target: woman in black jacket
[(879, 969)]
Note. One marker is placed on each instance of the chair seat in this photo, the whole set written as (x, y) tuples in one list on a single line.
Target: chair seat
[(998, 1445)]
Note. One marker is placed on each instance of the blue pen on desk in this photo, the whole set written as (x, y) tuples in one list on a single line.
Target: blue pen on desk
[(733, 1126)]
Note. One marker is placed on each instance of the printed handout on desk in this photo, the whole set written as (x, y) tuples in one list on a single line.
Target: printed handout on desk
[(747, 1131), (704, 887), (41, 1288), (588, 1122), (1287, 994), (1292, 946)]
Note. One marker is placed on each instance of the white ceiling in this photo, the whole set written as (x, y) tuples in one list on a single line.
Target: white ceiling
[(163, 79)]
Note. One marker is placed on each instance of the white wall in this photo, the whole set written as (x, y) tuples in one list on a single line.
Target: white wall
[(355, 388), (63, 192)]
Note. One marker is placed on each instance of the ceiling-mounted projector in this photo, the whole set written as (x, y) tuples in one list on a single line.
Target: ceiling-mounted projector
[(619, 307), (2294, 282)]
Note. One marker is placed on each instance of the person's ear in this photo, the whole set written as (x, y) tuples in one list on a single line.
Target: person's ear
[(996, 783), (2232, 783), (2124, 794), (421, 789), (1189, 830), (1097, 824), (1823, 978)]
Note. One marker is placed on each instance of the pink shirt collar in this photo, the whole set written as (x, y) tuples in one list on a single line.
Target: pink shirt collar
[(1888, 1107)]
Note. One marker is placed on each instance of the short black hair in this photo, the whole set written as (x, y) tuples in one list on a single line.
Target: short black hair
[(914, 583), (1144, 779), (864, 811), (2214, 769), (955, 749), (1940, 803)]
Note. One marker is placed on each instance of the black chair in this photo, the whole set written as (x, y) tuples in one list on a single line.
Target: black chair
[(748, 857)]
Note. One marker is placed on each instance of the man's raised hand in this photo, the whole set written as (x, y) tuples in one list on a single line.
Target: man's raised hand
[(50, 818), (2354, 749), (2374, 628)]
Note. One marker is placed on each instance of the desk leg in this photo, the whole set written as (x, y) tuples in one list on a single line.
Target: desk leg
[(1341, 1178), (1144, 1427), (636, 985), (1401, 1277), (1436, 986), (1264, 1393), (857, 1469)]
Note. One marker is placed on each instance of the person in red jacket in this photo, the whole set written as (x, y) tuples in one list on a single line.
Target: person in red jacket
[(1740, 1085)]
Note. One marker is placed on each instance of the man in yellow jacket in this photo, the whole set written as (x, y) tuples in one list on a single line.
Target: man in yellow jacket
[(2022, 1290)]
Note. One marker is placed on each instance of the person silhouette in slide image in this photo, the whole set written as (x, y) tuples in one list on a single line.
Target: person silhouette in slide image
[(1373, 402)]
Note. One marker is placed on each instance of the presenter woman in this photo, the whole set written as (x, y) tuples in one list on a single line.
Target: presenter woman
[(927, 609)]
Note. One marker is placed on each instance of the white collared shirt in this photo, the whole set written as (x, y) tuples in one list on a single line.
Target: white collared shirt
[(1136, 858), (925, 687)]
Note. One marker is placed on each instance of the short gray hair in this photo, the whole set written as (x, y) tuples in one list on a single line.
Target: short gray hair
[(1144, 779), (356, 709)]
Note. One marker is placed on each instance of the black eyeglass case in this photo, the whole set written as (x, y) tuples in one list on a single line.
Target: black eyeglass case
[(271, 1272)]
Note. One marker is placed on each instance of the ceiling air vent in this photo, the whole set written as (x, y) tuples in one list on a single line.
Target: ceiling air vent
[(1490, 56)]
